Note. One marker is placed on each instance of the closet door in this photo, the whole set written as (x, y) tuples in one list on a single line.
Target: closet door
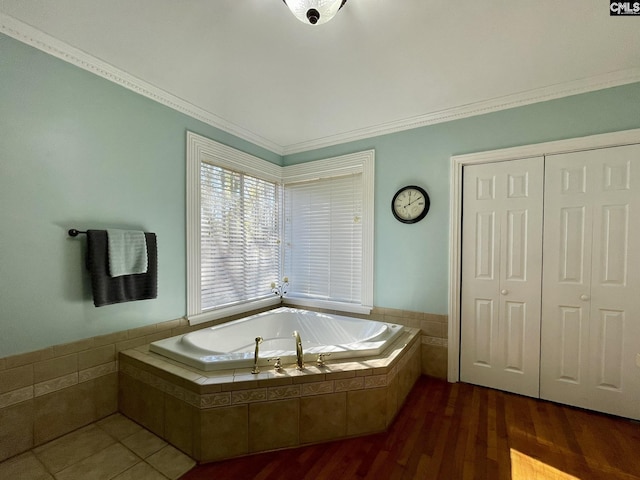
[(591, 286), (501, 275)]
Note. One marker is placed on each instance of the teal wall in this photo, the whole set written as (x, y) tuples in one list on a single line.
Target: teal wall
[(411, 261), (78, 151)]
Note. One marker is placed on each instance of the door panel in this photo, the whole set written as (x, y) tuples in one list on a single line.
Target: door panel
[(501, 275), (615, 240), (572, 238), (485, 246), (484, 327), (592, 219), (517, 245), (609, 367), (515, 338), (566, 280), (570, 335), (614, 381)]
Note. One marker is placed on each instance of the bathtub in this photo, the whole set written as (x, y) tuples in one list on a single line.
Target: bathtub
[(231, 345)]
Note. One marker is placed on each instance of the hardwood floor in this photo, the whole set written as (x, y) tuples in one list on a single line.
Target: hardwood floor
[(460, 431)]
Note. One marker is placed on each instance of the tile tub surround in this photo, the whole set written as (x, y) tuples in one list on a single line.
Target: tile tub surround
[(51, 395), (39, 390), (48, 393), (434, 333), (434, 329), (217, 415)]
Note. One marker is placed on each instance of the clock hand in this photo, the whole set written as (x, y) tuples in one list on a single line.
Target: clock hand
[(414, 201)]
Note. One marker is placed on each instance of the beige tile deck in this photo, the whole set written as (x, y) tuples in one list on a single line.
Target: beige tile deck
[(114, 448)]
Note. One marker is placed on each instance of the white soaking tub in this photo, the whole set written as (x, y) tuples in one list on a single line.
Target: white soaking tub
[(231, 345)]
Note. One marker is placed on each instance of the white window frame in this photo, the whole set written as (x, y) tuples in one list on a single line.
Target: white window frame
[(362, 163), (201, 149)]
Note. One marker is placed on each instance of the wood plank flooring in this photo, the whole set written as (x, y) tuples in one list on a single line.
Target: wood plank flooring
[(460, 431)]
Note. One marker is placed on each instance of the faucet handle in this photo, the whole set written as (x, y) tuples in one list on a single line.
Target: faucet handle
[(320, 359), (276, 363)]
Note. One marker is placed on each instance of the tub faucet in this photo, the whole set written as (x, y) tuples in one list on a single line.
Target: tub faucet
[(299, 354), (320, 360), (255, 356)]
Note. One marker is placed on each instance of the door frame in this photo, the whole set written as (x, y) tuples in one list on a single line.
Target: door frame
[(458, 162)]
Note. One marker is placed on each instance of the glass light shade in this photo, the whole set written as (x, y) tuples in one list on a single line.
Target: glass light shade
[(314, 12)]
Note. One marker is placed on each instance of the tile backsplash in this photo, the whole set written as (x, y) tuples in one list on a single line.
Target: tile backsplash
[(50, 392)]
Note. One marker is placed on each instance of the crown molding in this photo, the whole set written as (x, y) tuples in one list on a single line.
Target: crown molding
[(48, 44), (35, 38), (612, 79)]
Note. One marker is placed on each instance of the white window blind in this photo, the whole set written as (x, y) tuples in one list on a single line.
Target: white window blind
[(235, 216), (239, 237), (323, 238)]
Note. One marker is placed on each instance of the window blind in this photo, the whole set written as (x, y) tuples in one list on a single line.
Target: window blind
[(323, 238), (240, 233)]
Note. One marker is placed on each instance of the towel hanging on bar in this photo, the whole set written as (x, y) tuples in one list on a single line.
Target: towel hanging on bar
[(108, 290), (127, 252)]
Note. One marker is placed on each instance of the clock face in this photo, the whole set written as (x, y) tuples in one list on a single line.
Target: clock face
[(410, 204)]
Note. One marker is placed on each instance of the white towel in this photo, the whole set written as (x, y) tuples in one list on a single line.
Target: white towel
[(127, 252)]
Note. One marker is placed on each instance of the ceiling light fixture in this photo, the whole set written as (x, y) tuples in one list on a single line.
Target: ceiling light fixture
[(314, 12)]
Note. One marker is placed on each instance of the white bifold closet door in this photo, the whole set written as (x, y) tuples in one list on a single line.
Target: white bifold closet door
[(501, 275), (590, 337)]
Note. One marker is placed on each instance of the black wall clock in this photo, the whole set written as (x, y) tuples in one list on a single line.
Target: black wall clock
[(410, 204)]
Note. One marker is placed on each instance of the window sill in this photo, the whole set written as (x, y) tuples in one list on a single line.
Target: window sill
[(233, 310), (327, 305)]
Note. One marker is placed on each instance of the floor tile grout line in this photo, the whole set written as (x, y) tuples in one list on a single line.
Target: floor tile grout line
[(58, 440), (99, 425), (121, 442), (138, 463)]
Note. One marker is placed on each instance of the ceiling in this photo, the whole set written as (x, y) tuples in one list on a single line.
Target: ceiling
[(378, 66)]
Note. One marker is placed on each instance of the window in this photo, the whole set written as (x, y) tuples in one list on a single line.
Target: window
[(239, 237), (233, 230), (323, 238), (235, 213), (328, 226)]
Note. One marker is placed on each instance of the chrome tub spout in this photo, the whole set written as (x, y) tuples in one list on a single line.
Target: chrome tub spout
[(299, 354), (255, 356)]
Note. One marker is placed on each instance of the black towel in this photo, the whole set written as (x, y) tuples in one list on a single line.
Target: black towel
[(126, 288)]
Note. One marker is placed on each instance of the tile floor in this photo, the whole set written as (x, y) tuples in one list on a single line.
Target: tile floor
[(114, 448)]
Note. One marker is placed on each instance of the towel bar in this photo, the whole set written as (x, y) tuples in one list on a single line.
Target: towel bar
[(74, 233)]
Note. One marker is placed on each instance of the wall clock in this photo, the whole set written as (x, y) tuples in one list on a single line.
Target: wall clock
[(410, 204)]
